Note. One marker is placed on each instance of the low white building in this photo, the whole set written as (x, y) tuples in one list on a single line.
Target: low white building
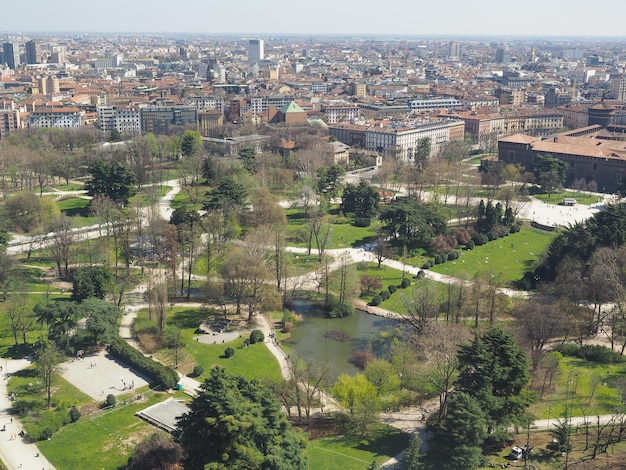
[(70, 118)]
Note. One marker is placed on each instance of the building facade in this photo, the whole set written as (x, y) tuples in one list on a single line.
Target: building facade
[(68, 118)]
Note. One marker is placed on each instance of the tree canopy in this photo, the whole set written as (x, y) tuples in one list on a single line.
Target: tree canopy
[(114, 180), (550, 172), (412, 223), (361, 200), (236, 423)]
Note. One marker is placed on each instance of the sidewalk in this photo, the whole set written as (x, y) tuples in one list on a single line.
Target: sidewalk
[(16, 453)]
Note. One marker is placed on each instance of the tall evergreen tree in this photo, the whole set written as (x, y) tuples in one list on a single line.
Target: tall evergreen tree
[(236, 423)]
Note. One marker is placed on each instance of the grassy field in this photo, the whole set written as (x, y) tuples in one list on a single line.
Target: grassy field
[(255, 361), (574, 389), (78, 209), (555, 198), (354, 454), (507, 258), (102, 441), (343, 234)]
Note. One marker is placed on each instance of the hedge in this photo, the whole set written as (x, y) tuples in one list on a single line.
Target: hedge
[(161, 374)]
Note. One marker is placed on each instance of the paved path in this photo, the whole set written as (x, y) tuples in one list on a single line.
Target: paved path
[(16, 453)]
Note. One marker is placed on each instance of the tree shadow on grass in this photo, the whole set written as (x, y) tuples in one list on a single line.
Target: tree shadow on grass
[(383, 442), (191, 318)]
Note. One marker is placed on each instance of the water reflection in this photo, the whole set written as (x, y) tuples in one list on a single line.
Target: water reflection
[(311, 339)]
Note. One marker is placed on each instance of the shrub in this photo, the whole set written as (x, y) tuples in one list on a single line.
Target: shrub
[(480, 239), (337, 309), (362, 265), (110, 400), (370, 284), (198, 370), (362, 221), (376, 300), (462, 236), (516, 227), (406, 282), (257, 336), (161, 374), (74, 414), (428, 264), (439, 259), (492, 235), (229, 352), (453, 255), (392, 289), (361, 358), (470, 245), (384, 295), (421, 274)]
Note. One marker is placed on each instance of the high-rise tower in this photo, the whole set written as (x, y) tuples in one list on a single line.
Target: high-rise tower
[(255, 50)]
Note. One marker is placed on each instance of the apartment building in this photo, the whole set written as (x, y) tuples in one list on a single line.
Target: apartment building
[(402, 138), (340, 113), (124, 119), (158, 119), (9, 122), (435, 104), (69, 118), (207, 102), (618, 87)]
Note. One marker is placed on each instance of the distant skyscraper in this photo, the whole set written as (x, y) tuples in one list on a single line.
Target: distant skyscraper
[(31, 52), (255, 50), (500, 55), (456, 49), (11, 55)]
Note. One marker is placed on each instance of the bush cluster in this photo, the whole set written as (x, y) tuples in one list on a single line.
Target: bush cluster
[(161, 374), (256, 336), (590, 352), (229, 352), (406, 282), (392, 288)]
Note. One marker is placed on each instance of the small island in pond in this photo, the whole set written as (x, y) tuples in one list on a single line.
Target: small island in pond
[(336, 336)]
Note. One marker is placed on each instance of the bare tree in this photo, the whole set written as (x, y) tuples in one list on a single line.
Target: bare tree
[(61, 243), (422, 307)]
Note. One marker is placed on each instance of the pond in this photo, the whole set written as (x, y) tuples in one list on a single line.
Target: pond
[(332, 341)]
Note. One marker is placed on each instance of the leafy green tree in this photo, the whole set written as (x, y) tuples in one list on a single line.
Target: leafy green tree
[(494, 372), (550, 172), (413, 458), (360, 397), (227, 196), (59, 316), (191, 143), (457, 440), (247, 157), (422, 152), (102, 318), (236, 423), (91, 281), (328, 182), (115, 136), (412, 224), (159, 451), (25, 211), (114, 180), (361, 200)]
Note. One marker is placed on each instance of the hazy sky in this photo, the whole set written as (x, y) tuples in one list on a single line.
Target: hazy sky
[(412, 17)]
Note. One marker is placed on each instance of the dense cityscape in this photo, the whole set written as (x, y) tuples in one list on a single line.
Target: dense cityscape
[(310, 251)]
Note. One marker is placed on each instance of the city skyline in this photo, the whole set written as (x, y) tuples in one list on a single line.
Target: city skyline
[(280, 17)]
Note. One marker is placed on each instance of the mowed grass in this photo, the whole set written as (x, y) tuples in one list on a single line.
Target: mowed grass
[(381, 444), (581, 198), (255, 361), (78, 209), (507, 258), (105, 441), (343, 234), (575, 389)]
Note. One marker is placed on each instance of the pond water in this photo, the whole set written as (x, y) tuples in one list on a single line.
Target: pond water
[(310, 338)]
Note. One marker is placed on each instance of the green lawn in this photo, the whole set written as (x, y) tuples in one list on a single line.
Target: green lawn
[(574, 387), (150, 195), (343, 234), (100, 442), (555, 198), (78, 209), (507, 258), (383, 443), (255, 361)]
